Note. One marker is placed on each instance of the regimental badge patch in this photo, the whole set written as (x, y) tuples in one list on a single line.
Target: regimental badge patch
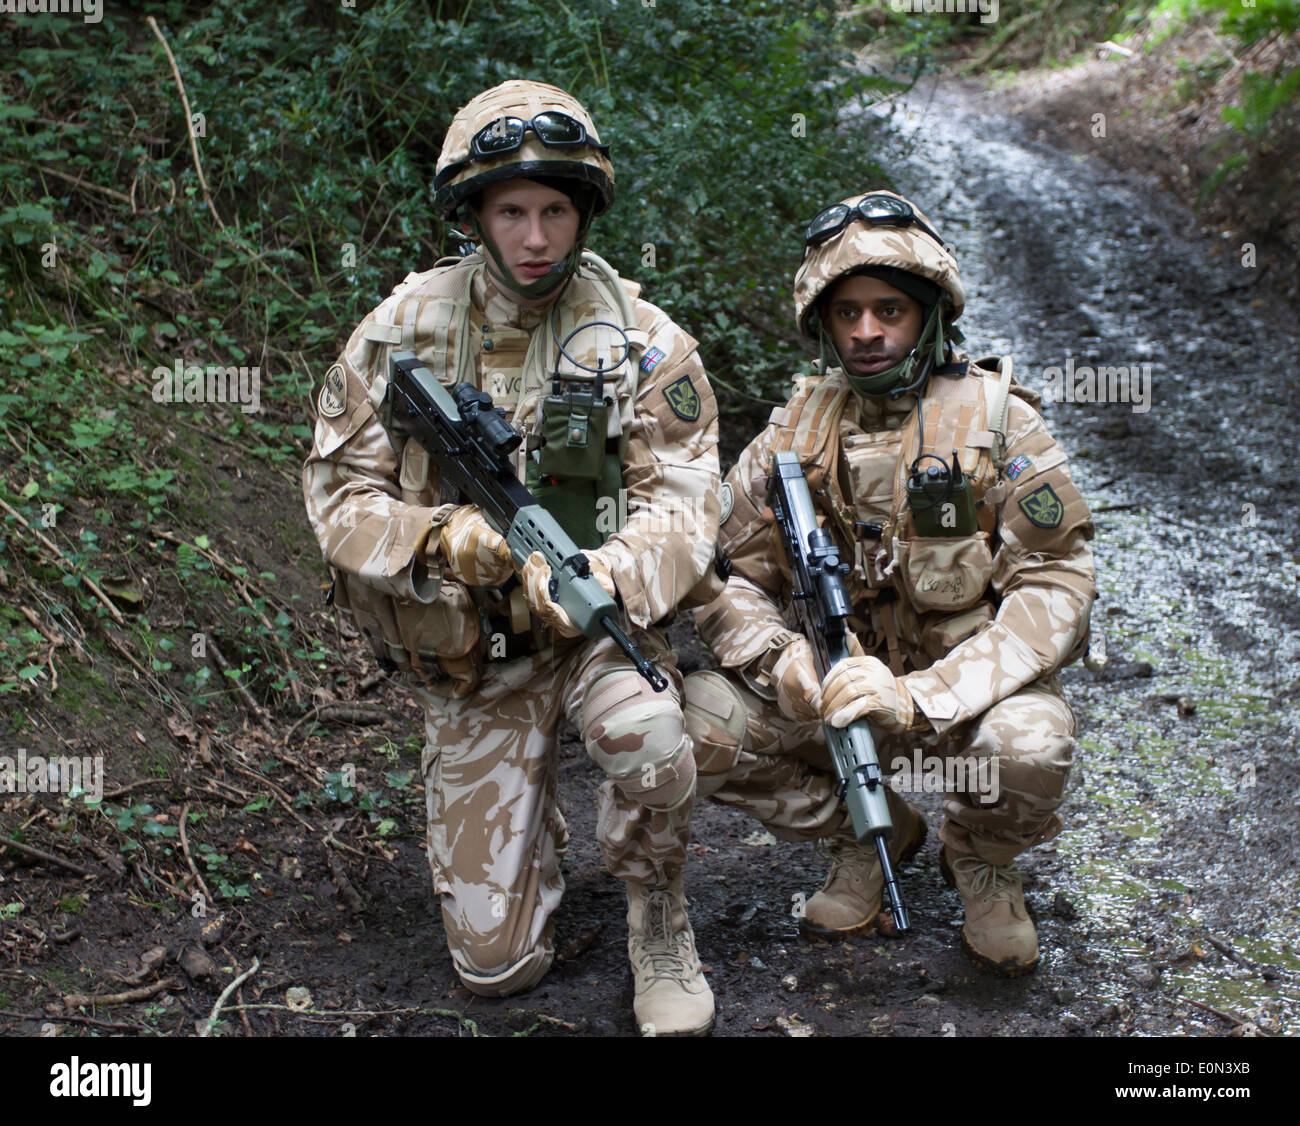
[(1043, 507), (728, 502), (333, 398), (651, 359), (1017, 465), (682, 397)]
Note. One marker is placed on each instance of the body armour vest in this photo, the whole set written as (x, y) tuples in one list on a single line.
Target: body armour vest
[(926, 590), (565, 376)]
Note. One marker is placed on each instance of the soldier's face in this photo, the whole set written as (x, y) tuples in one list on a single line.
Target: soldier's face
[(874, 326), (533, 227)]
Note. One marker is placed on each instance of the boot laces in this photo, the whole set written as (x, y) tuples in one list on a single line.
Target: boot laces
[(987, 881), (663, 951)]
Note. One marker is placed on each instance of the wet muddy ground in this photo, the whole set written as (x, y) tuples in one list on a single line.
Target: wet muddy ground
[(1168, 905)]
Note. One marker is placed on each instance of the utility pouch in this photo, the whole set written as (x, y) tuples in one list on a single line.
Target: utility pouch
[(947, 572), (574, 427)]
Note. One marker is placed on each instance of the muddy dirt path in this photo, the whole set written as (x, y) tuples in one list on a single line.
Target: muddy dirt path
[(1169, 904)]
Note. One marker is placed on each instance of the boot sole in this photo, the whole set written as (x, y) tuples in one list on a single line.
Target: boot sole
[(883, 920)]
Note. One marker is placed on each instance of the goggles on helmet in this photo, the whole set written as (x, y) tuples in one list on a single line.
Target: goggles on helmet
[(553, 128), (875, 210)]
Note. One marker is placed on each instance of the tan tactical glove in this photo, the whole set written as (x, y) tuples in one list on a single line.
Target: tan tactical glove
[(863, 687), (473, 551), (798, 687), (536, 579)]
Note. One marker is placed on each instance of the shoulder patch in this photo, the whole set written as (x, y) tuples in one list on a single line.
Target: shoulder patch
[(1017, 465), (682, 397), (651, 359), (333, 399), (1043, 507), (728, 502)]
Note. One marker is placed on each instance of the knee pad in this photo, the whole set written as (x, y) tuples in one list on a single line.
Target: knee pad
[(636, 736), (715, 715)]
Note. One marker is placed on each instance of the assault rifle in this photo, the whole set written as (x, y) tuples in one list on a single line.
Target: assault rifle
[(470, 442), (822, 606)]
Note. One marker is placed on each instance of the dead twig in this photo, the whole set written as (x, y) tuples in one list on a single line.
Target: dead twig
[(189, 120), (185, 848), (77, 181), (233, 681), (77, 1018), (347, 713), (460, 1018), (206, 1028), (49, 857), (90, 585), (279, 796), (147, 783)]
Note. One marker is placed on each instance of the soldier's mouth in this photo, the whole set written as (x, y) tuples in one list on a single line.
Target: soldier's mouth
[(865, 365), (536, 268)]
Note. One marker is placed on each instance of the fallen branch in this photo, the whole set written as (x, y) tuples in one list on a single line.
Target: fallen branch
[(73, 1000), (206, 1028), (41, 854), (347, 713), (1217, 1012)]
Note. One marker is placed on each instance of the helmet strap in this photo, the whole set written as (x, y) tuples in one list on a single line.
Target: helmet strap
[(910, 373)]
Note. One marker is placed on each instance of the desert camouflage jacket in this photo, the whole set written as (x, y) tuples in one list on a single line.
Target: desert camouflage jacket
[(372, 497), (965, 621)]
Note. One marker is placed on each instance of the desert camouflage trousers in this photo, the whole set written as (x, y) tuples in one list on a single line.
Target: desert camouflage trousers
[(1002, 775), (495, 830)]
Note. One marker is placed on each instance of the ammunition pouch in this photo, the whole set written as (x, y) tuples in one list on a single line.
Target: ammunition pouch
[(440, 642)]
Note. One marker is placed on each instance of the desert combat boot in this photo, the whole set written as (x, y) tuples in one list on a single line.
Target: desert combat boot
[(670, 995), (998, 932), (849, 901)]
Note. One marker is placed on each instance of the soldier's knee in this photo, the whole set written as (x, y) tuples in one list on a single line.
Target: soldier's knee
[(501, 980), (638, 738), (714, 714), (1038, 775)]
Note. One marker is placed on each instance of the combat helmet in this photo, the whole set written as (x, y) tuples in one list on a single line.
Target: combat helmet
[(523, 130), (881, 234)]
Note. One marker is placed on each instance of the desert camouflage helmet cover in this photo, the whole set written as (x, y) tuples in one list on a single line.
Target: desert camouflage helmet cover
[(861, 244), (525, 100)]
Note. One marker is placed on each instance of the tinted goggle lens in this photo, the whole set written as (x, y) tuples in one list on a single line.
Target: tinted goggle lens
[(555, 128), (502, 135)]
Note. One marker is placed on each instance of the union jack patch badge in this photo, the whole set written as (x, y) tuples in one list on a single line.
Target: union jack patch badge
[(651, 359), (1017, 466)]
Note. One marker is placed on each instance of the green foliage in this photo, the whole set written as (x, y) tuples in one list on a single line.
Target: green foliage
[(1251, 22), (1261, 98)]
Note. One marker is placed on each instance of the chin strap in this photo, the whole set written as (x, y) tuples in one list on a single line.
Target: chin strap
[(910, 373)]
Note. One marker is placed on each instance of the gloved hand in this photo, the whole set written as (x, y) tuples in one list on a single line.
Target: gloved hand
[(536, 579), (863, 687), (798, 687), (473, 551)]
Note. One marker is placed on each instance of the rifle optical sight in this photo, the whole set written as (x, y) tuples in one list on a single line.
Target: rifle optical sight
[(477, 410)]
